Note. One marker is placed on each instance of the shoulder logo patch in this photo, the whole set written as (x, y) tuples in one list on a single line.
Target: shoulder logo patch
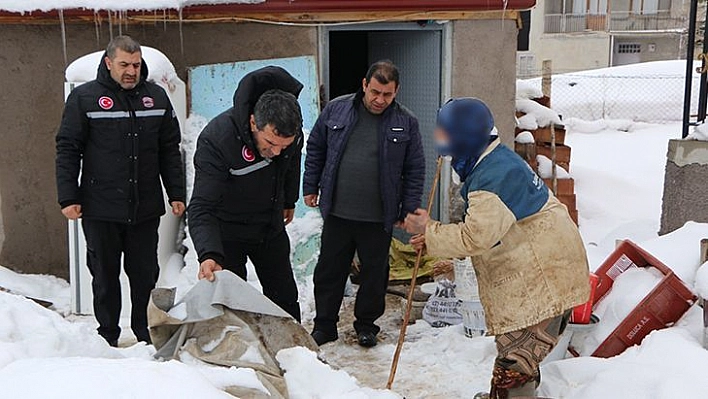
[(105, 102), (148, 102), (248, 154)]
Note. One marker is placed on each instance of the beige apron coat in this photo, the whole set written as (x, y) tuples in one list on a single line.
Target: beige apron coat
[(528, 270)]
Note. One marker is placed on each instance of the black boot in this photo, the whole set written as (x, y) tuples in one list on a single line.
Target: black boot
[(322, 337), (367, 339)]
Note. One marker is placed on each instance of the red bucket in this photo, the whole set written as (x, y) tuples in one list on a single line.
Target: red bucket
[(581, 313)]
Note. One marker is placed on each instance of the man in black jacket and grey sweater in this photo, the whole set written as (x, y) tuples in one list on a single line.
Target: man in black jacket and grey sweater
[(246, 184), (120, 133)]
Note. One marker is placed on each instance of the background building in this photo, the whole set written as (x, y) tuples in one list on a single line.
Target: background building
[(587, 34)]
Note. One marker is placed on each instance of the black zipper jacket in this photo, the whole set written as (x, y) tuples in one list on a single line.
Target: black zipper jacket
[(121, 142), (238, 195)]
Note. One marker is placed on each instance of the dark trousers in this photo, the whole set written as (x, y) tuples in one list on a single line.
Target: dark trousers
[(105, 243), (341, 238), (271, 258)]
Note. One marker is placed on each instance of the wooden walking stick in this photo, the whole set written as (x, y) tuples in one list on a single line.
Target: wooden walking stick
[(414, 277)]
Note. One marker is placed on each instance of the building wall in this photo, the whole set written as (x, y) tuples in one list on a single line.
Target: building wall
[(484, 66), (32, 97), (666, 46), (569, 52)]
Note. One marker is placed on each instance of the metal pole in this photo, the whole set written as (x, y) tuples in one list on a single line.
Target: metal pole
[(690, 53), (703, 93)]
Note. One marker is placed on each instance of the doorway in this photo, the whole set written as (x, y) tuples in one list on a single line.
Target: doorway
[(418, 52)]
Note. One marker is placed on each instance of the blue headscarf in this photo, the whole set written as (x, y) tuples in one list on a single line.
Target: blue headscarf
[(469, 124)]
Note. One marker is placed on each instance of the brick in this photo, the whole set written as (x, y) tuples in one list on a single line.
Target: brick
[(543, 135), (569, 200), (562, 153), (565, 186), (526, 151), (545, 101)]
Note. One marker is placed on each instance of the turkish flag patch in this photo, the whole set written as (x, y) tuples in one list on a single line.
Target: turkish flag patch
[(248, 154), (148, 102), (105, 102)]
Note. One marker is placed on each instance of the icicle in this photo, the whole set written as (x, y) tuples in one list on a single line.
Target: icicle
[(120, 22), (110, 24), (63, 37), (164, 20), (97, 25), (181, 33)]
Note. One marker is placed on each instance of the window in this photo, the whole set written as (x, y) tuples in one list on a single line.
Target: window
[(629, 48)]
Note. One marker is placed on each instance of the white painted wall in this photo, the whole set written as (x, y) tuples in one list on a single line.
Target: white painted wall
[(569, 51)]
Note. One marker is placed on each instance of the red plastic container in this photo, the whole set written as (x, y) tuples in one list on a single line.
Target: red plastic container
[(661, 308), (581, 313)]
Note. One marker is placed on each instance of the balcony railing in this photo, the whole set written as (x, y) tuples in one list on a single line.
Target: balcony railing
[(616, 21)]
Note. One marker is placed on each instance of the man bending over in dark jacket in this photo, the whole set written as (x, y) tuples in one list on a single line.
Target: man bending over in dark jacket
[(247, 179)]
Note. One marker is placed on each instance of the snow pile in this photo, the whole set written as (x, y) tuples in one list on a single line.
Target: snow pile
[(23, 6), (528, 89), (48, 288), (576, 125), (648, 92), (160, 68), (81, 377), (702, 281), (308, 378), (679, 250), (699, 133), (28, 330), (619, 181), (669, 364), (525, 137), (536, 114), (627, 291), (545, 168)]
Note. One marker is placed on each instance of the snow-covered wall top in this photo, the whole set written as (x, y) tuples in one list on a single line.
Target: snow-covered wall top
[(112, 5), (160, 69)]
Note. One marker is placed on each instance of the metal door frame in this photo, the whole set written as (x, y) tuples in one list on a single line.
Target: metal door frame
[(443, 195)]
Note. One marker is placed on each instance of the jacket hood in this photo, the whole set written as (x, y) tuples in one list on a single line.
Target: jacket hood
[(250, 89), (468, 123), (104, 75)]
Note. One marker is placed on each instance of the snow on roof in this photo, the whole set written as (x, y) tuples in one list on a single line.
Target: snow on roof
[(23, 6)]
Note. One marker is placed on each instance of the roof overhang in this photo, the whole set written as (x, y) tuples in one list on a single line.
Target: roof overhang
[(302, 11)]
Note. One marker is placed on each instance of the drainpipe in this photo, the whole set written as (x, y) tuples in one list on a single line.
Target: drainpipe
[(690, 53)]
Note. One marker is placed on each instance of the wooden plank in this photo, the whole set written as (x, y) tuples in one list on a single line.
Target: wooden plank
[(295, 18), (527, 151), (562, 153), (569, 200), (543, 135), (565, 186)]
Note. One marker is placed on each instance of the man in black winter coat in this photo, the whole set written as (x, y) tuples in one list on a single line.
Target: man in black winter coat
[(121, 135), (246, 184)]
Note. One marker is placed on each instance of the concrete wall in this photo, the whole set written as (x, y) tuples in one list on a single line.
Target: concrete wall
[(484, 66), (685, 189), (32, 98)]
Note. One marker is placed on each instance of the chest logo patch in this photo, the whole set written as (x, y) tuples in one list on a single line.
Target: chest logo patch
[(248, 154), (105, 102), (148, 102)]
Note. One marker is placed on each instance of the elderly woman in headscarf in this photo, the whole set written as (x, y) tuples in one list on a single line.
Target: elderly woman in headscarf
[(529, 258)]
